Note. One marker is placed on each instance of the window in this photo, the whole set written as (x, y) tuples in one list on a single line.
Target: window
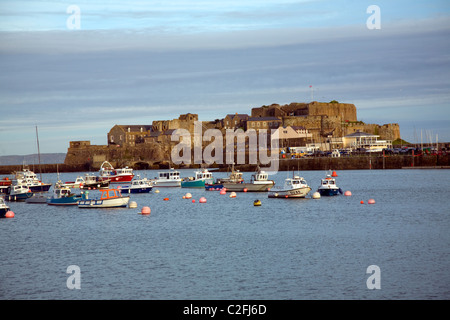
[(259, 123), (253, 124)]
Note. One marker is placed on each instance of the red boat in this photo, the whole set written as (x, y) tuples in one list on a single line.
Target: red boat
[(5, 182), (107, 172)]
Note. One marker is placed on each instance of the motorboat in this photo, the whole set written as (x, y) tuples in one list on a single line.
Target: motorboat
[(79, 182), (107, 172), (63, 196), (200, 180), (169, 178), (137, 186), (234, 177), (18, 192), (4, 208), (328, 187), (94, 182), (295, 187), (110, 198), (259, 183), (29, 178)]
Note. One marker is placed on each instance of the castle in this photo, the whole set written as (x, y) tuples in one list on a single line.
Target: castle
[(318, 121)]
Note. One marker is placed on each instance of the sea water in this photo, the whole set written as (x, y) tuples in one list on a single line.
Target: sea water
[(227, 248)]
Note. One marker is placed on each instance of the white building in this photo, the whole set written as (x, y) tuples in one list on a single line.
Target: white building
[(365, 140)]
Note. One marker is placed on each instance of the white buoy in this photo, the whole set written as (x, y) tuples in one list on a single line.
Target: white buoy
[(316, 195), (132, 204)]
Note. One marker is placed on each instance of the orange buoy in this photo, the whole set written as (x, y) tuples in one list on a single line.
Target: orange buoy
[(166, 199), (145, 210), (202, 200), (9, 214), (245, 189), (193, 200), (334, 174), (362, 202)]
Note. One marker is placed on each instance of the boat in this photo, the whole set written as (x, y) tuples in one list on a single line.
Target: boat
[(107, 172), (18, 192), (4, 208), (201, 179), (234, 177), (168, 179), (328, 187), (63, 196), (259, 183), (110, 198), (29, 178), (88, 182), (38, 198), (295, 187), (4, 184), (137, 186)]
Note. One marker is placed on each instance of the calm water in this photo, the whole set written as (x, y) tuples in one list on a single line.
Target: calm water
[(229, 249)]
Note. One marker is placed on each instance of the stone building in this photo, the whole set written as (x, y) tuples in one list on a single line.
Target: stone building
[(129, 135)]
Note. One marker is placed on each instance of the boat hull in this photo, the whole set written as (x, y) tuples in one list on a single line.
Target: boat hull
[(136, 190), (289, 193), (106, 203), (64, 201), (193, 184), (37, 198), (118, 179), (329, 192), (211, 187), (248, 187), (40, 188), (19, 197), (162, 183)]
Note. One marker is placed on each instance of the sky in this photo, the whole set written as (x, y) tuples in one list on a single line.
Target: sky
[(76, 73)]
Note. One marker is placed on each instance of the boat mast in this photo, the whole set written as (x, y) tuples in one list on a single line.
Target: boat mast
[(39, 153)]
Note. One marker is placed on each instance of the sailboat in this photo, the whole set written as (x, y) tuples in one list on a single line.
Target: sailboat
[(39, 197)]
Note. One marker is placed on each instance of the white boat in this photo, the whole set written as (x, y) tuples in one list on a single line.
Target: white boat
[(29, 178), (4, 208), (201, 178), (259, 183), (107, 172), (137, 186), (19, 192), (88, 182), (79, 181), (295, 187), (168, 179), (110, 198), (328, 187)]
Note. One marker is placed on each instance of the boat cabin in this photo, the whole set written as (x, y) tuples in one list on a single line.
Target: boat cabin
[(200, 175), (171, 175), (62, 192), (260, 176), (110, 194), (328, 181), (296, 182)]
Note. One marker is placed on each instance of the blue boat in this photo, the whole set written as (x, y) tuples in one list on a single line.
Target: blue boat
[(64, 197), (137, 186), (18, 192), (201, 178), (328, 187)]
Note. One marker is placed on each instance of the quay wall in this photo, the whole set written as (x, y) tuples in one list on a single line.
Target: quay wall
[(363, 162)]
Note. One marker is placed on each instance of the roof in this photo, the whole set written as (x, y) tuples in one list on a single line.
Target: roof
[(298, 127), (239, 115), (264, 119), (360, 134)]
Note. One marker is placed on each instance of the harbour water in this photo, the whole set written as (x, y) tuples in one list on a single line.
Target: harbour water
[(227, 248)]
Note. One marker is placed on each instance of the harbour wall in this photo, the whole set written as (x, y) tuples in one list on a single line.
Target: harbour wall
[(362, 162)]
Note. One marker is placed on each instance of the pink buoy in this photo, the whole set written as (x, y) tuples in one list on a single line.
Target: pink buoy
[(9, 214), (245, 190), (223, 191), (347, 193), (202, 200), (145, 210), (371, 201)]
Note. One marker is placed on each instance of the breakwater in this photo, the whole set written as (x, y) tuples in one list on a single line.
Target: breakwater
[(359, 162)]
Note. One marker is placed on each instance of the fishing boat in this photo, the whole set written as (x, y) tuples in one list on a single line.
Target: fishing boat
[(29, 178), (110, 198), (137, 186), (202, 178), (234, 177), (107, 172), (168, 179), (88, 182), (328, 187), (63, 196), (4, 208), (295, 187), (18, 192), (259, 183), (38, 198)]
